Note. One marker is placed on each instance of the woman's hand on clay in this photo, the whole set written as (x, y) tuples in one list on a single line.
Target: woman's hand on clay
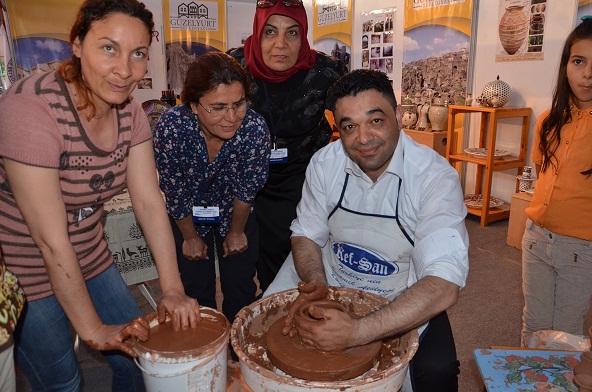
[(114, 337), (195, 249), (328, 330), (183, 310), (235, 243), (309, 291)]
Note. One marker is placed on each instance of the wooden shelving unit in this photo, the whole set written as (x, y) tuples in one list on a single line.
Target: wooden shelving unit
[(487, 165)]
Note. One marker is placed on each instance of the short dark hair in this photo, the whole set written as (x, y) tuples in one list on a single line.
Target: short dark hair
[(358, 81), (209, 71)]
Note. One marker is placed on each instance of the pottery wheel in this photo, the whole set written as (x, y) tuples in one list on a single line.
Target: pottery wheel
[(292, 357)]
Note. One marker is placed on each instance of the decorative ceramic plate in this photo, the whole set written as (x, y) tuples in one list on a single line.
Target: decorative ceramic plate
[(482, 152), (476, 201), (154, 108)]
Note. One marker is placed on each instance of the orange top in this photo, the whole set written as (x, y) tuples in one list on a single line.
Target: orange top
[(562, 201)]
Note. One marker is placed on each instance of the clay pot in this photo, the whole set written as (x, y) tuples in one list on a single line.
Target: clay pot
[(585, 365), (409, 119), (583, 382), (496, 93), (513, 29), (438, 115)]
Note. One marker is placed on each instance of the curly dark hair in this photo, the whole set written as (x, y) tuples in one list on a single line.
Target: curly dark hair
[(90, 12), (560, 113)]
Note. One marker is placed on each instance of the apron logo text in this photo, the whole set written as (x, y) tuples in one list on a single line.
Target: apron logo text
[(363, 261)]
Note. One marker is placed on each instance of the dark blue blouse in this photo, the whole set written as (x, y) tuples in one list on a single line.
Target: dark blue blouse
[(188, 179)]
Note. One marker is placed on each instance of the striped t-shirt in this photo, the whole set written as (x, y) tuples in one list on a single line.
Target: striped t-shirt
[(40, 126)]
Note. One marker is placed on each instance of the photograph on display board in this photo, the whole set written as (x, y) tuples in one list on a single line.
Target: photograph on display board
[(436, 54), (191, 29), (331, 29), (521, 30), (378, 40)]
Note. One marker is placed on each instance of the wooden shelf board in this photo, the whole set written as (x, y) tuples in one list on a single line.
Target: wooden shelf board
[(495, 214)]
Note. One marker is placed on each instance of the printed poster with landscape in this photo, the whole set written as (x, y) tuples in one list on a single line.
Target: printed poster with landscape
[(41, 31), (191, 29), (436, 53), (521, 30), (331, 28)]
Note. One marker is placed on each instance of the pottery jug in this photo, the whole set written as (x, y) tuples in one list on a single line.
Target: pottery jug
[(513, 29), (423, 124), (438, 114)]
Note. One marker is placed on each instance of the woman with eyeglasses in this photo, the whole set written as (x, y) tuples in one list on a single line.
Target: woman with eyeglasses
[(212, 155), (291, 82)]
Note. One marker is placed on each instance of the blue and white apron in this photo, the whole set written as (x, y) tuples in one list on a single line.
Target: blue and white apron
[(370, 252)]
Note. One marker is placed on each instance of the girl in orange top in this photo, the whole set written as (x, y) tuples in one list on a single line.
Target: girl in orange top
[(557, 242)]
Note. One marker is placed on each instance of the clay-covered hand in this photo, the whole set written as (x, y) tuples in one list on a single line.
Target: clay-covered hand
[(195, 249), (114, 337), (327, 329), (183, 310), (309, 291), (235, 243)]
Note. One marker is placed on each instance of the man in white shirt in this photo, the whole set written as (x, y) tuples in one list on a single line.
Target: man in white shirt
[(382, 214)]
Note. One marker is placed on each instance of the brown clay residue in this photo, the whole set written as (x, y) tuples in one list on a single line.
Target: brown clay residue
[(163, 339)]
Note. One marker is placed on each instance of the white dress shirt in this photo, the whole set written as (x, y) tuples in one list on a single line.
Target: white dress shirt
[(431, 209)]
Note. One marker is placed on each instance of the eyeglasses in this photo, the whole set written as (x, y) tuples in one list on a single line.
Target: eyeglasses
[(239, 108), (271, 3)]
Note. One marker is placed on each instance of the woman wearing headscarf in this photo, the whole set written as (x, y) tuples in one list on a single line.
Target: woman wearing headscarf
[(290, 85)]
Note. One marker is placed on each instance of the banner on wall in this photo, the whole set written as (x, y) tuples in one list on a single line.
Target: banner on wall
[(41, 35), (191, 29), (584, 9), (436, 50), (378, 40), (521, 30), (7, 66), (331, 28), (40, 32)]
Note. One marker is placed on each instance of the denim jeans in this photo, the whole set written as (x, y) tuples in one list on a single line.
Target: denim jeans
[(556, 281), (45, 345)]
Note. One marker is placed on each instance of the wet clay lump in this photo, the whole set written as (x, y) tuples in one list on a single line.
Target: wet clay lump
[(291, 356)]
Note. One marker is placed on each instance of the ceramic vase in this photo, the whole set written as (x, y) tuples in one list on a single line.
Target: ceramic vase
[(423, 124), (438, 115), (469, 100), (513, 29), (409, 119)]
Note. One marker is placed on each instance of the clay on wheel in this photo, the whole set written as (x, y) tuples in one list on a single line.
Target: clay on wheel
[(292, 357)]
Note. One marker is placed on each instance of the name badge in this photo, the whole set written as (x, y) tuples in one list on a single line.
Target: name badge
[(206, 215), (278, 155)]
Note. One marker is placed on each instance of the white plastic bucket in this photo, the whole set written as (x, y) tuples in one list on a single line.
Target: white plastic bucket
[(196, 370), (259, 374)]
